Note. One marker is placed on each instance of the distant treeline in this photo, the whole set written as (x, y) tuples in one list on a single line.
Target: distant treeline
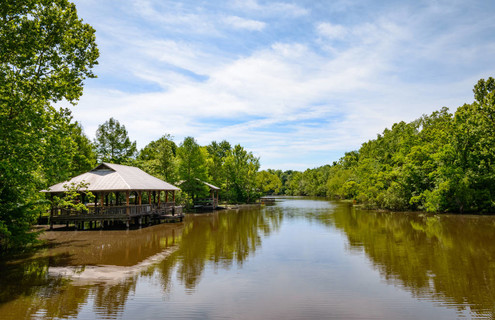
[(441, 162)]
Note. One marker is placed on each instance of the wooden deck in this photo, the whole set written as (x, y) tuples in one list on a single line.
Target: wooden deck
[(208, 204), (98, 217)]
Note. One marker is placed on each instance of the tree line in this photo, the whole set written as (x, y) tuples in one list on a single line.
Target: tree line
[(187, 165), (441, 162)]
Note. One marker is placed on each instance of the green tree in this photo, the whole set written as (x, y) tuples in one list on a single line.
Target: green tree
[(192, 168), (293, 186), (46, 52), (85, 157), (466, 180), (241, 168), (72, 197), (159, 158), (112, 143), (217, 153), (268, 182), (66, 150)]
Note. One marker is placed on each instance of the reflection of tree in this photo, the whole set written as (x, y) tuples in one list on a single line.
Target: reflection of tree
[(444, 258), (110, 300), (24, 279), (26, 287), (65, 300), (221, 238)]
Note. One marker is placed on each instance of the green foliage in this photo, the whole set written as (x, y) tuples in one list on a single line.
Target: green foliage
[(241, 168), (217, 153), (72, 197), (234, 170), (112, 143), (268, 182), (46, 52), (158, 158), (192, 168), (85, 157)]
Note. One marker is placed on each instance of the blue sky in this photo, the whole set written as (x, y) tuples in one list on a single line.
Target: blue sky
[(298, 83)]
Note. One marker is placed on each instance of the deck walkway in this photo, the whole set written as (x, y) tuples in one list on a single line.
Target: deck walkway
[(109, 216)]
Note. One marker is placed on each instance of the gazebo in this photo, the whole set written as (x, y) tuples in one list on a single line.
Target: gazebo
[(120, 195)]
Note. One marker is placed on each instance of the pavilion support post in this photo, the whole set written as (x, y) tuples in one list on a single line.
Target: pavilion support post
[(102, 202), (166, 196), (173, 196), (139, 197), (127, 210), (51, 211), (159, 194), (149, 196)]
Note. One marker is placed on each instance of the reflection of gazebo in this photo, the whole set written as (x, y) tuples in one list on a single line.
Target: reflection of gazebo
[(114, 186)]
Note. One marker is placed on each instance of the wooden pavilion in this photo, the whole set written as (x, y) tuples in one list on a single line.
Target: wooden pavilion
[(123, 195)]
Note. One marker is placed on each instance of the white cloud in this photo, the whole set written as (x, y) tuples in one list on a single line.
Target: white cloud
[(247, 24), (273, 8), (173, 16), (331, 31)]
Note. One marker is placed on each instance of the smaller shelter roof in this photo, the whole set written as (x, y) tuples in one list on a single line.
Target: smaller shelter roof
[(115, 177), (209, 185)]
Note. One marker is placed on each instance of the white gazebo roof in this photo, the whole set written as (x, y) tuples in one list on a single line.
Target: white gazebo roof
[(115, 177)]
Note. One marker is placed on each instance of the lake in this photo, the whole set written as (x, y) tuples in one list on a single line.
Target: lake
[(297, 259)]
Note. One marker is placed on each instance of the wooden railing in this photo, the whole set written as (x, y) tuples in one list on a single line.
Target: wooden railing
[(131, 210), (207, 202)]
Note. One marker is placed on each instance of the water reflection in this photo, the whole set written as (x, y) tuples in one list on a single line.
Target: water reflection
[(222, 239), (444, 258), (33, 287), (91, 257)]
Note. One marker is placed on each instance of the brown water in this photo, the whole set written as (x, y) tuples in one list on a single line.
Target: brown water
[(298, 259)]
